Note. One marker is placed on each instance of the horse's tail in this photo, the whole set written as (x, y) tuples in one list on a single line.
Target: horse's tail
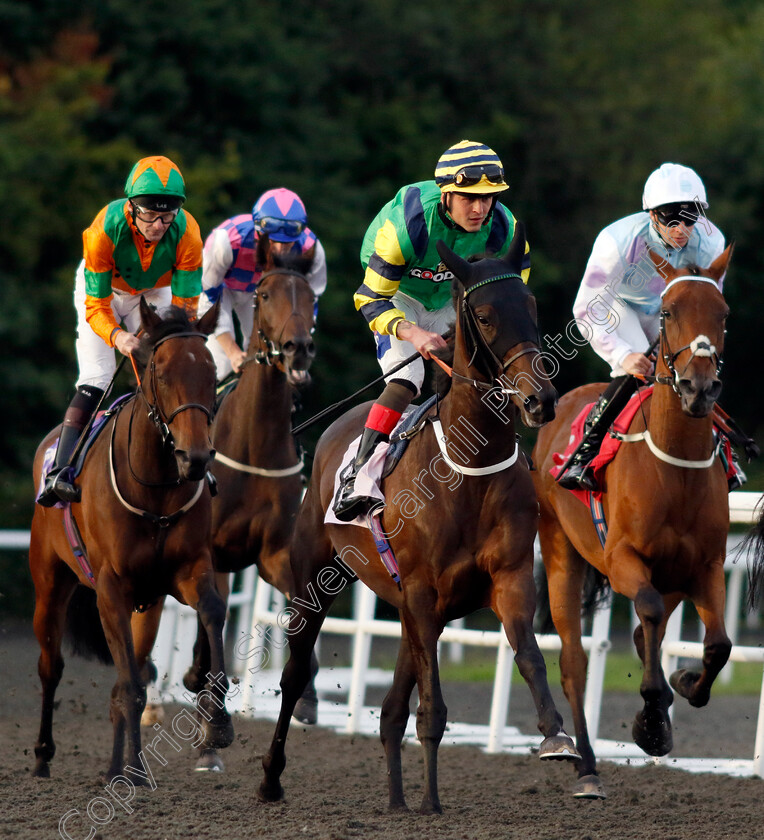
[(84, 630), (752, 547), (596, 590)]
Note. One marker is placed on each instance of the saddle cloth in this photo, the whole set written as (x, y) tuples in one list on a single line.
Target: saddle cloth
[(611, 445), (384, 460)]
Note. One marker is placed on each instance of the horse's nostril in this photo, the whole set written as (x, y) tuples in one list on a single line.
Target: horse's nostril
[(311, 349), (289, 347)]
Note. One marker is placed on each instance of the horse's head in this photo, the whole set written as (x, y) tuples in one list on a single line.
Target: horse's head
[(284, 310), (497, 332), (178, 384), (692, 328)]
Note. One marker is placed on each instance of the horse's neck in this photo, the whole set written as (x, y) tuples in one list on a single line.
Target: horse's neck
[(674, 432), (261, 420), (473, 429), (149, 458)]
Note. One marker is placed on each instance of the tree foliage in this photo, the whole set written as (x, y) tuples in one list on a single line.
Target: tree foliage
[(344, 101)]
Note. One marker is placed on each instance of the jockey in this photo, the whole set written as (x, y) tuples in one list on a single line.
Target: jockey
[(619, 302), (145, 246), (230, 272), (406, 291)]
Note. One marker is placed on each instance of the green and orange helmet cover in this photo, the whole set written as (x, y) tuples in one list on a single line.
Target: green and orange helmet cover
[(156, 183)]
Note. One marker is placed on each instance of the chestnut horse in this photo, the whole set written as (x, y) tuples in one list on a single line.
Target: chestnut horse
[(665, 502), (144, 519), (257, 465), (463, 540)]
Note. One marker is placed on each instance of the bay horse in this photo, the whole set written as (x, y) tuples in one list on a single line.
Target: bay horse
[(667, 511), (257, 464), (463, 539), (144, 520)]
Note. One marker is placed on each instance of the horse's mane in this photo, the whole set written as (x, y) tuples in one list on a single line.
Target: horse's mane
[(298, 263), (175, 320)]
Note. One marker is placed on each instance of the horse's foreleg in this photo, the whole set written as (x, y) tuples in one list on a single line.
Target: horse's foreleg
[(53, 588), (652, 726), (696, 688), (145, 626), (199, 591), (514, 602), (423, 629), (393, 720), (565, 574), (195, 677), (128, 696)]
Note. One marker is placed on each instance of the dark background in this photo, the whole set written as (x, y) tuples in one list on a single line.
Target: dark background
[(345, 101)]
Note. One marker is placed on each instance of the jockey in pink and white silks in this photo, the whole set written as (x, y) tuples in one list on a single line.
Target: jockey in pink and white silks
[(230, 271), (618, 304)]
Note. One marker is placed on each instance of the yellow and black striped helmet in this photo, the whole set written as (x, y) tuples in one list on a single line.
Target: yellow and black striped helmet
[(470, 167)]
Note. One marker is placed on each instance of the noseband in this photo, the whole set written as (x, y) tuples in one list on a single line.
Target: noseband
[(273, 350), (700, 346)]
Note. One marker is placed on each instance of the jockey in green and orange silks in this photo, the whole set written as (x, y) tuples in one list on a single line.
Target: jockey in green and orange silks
[(144, 245)]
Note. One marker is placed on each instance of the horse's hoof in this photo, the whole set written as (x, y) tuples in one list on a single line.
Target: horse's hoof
[(306, 712), (270, 791), (209, 762), (684, 682), (653, 737), (560, 747), (589, 787), (41, 771), (193, 681), (218, 737), (429, 807), (153, 713)]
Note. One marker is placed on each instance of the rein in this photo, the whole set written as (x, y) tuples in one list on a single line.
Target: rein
[(161, 521)]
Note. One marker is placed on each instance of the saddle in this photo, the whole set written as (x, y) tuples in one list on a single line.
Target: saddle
[(409, 426)]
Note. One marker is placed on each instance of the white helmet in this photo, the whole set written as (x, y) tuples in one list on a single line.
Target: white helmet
[(673, 184)]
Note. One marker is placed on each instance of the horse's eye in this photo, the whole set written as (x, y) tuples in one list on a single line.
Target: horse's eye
[(263, 296), (665, 314)]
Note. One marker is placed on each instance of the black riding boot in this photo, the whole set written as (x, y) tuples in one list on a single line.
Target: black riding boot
[(346, 506), (607, 408), (58, 484)]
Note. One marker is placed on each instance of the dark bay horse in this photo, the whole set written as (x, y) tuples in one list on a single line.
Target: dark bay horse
[(461, 524), (145, 523), (257, 465), (666, 505)]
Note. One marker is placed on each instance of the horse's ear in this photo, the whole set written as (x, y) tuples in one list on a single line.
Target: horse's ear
[(263, 253), (663, 266), (207, 323), (516, 253), (149, 316), (460, 268), (719, 266)]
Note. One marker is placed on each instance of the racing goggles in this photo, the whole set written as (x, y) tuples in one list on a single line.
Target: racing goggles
[(469, 176), (150, 216), (673, 214), (286, 227)]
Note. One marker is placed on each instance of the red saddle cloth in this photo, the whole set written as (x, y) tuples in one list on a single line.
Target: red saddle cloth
[(610, 445)]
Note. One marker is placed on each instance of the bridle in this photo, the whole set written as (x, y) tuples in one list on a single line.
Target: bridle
[(481, 354), (156, 414), (273, 350), (700, 346)]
